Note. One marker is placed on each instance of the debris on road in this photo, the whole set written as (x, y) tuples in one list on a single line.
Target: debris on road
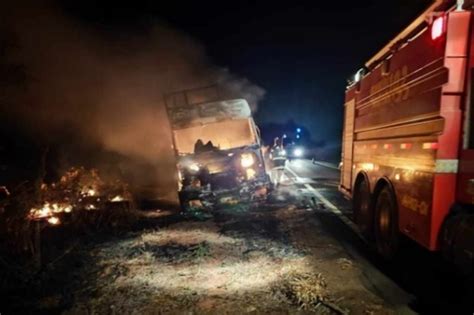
[(306, 290)]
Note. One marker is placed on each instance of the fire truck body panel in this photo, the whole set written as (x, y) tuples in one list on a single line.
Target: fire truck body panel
[(404, 127), (465, 191)]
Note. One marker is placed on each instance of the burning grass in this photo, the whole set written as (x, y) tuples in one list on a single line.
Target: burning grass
[(77, 191), (80, 201)]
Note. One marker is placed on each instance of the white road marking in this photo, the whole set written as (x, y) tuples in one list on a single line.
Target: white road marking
[(329, 205), (328, 165)]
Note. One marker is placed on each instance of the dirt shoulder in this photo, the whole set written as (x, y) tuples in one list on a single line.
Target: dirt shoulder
[(273, 258)]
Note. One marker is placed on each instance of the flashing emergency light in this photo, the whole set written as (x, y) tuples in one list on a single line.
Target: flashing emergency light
[(438, 27)]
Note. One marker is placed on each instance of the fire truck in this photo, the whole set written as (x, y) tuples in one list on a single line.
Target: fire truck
[(408, 137)]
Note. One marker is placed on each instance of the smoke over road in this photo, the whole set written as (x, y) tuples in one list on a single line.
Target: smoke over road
[(90, 89)]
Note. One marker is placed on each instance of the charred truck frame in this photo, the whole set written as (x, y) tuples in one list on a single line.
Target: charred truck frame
[(217, 148), (408, 139)]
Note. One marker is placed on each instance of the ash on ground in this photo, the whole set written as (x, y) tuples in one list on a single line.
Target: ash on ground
[(273, 258)]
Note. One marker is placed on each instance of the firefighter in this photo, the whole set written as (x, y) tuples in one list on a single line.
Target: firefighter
[(278, 160)]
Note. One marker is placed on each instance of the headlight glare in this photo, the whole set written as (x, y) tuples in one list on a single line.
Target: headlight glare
[(247, 160), (298, 152), (194, 167)]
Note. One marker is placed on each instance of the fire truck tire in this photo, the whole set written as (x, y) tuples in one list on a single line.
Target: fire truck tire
[(387, 237), (361, 206)]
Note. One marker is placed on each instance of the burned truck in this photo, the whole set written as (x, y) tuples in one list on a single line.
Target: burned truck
[(217, 147)]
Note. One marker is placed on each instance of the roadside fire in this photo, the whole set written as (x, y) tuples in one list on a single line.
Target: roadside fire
[(48, 210), (117, 199), (53, 221), (78, 190)]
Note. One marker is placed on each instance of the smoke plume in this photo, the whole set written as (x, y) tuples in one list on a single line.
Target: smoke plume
[(87, 89)]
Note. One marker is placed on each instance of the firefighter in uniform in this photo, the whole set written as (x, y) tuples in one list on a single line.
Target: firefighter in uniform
[(278, 160)]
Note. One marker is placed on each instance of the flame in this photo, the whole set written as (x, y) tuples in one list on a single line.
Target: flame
[(91, 207), (78, 190), (54, 221), (48, 210), (117, 198), (43, 212), (56, 208)]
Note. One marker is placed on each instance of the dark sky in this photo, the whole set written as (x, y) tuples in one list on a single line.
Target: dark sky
[(300, 52)]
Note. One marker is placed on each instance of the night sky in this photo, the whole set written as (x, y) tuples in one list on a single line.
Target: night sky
[(300, 52)]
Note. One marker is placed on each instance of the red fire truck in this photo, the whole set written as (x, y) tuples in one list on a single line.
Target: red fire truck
[(408, 139)]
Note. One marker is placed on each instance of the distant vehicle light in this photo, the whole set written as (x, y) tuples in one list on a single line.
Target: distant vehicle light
[(282, 152), (298, 130), (247, 160), (298, 152), (438, 27)]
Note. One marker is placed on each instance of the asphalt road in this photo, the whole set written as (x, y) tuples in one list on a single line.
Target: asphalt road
[(322, 179), (417, 282)]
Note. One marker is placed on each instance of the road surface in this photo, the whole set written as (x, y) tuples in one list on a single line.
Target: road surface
[(418, 281), (322, 180)]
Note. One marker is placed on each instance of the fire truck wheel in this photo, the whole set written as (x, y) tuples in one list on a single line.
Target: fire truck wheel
[(361, 207), (387, 237)]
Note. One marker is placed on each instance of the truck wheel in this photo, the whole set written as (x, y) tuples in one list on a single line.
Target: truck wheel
[(387, 237), (361, 207)]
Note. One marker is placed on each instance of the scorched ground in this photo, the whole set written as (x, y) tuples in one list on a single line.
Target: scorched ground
[(269, 258)]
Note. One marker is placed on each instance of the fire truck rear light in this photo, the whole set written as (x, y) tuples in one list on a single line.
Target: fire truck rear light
[(430, 145), (438, 28), (388, 146), (405, 146), (374, 146)]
